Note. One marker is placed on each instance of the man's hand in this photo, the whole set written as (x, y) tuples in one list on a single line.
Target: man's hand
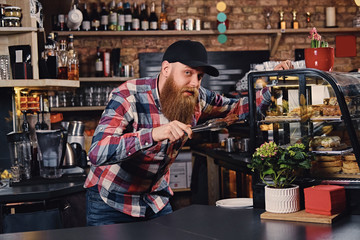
[(173, 131), (284, 65)]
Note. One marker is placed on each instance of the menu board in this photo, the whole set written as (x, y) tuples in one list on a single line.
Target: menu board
[(232, 66)]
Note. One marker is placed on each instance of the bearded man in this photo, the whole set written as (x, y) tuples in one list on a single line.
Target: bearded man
[(141, 131)]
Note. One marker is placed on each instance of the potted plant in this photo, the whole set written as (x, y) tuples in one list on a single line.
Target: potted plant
[(320, 55), (277, 167)]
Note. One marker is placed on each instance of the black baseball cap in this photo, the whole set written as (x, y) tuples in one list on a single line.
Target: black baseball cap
[(190, 53)]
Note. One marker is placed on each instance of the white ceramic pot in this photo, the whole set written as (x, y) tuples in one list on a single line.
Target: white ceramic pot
[(282, 200)]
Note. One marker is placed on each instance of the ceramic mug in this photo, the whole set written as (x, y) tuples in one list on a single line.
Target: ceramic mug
[(74, 19)]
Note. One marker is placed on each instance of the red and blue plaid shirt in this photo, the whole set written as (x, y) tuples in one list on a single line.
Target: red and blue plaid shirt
[(131, 170)]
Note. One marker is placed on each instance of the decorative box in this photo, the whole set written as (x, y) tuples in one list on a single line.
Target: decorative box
[(325, 199)]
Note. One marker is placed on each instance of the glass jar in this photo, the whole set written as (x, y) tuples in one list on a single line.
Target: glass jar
[(12, 11), (11, 22)]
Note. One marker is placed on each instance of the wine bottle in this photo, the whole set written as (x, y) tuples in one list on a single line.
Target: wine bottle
[(153, 19), (112, 16), (104, 14), (95, 18), (128, 16), (86, 23), (135, 17), (163, 17), (144, 18), (99, 68), (120, 17)]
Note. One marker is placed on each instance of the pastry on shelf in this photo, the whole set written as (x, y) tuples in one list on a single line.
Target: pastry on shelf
[(325, 165), (350, 165), (325, 142)]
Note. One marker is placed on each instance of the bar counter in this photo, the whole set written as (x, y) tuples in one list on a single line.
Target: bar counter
[(206, 222)]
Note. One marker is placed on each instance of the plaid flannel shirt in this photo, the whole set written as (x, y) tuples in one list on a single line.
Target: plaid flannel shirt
[(131, 170)]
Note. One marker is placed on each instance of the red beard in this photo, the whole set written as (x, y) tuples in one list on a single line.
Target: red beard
[(178, 103)]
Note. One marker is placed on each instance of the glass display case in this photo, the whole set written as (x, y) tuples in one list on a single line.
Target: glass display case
[(320, 109)]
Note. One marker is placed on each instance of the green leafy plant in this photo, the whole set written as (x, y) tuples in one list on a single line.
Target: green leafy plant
[(280, 164), (316, 39)]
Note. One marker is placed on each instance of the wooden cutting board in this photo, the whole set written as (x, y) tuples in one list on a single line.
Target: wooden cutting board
[(300, 216)]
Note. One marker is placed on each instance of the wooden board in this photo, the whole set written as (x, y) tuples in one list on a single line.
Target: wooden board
[(300, 216)]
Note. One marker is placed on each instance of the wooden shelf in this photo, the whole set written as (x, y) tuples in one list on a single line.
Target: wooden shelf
[(204, 32), (182, 190), (16, 30), (105, 79), (39, 83), (75, 109)]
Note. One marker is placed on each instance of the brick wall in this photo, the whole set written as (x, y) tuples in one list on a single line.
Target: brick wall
[(244, 14)]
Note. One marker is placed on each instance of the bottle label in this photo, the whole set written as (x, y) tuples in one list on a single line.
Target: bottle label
[(99, 66), (153, 25), (113, 19), (104, 20), (86, 25), (163, 25), (145, 25), (135, 24), (121, 20), (95, 23), (128, 18)]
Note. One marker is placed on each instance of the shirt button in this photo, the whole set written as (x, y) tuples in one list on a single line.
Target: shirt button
[(129, 153), (146, 143)]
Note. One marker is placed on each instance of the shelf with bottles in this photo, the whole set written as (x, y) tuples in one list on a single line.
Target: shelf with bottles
[(204, 32)]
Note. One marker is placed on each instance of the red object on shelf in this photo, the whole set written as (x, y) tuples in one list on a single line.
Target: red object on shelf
[(325, 199), (320, 58), (345, 46)]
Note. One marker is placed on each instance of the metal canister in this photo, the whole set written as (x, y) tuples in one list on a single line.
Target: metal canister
[(197, 24), (189, 24), (178, 24)]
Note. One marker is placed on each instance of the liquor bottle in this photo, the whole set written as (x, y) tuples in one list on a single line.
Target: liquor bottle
[(106, 63), (50, 56), (144, 18), (62, 61), (99, 69), (135, 17), (120, 17), (282, 23), (61, 22), (73, 60), (112, 16), (86, 23), (95, 17), (163, 17), (128, 16), (153, 19), (294, 23), (104, 14)]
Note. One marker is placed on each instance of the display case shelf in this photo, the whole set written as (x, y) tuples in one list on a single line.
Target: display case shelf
[(287, 119)]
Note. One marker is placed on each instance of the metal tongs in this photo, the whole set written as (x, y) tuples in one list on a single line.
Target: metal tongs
[(211, 125)]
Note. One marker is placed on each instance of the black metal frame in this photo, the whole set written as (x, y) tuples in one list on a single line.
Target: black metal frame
[(301, 73)]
